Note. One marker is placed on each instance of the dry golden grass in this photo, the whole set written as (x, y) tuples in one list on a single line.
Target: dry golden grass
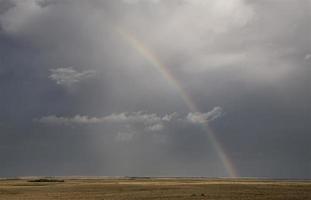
[(128, 189)]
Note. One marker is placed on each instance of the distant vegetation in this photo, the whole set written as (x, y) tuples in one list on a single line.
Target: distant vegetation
[(44, 180)]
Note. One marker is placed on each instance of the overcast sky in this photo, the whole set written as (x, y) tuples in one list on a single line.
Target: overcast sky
[(82, 93)]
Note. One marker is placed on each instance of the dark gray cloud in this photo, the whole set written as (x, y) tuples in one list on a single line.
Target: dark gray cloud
[(244, 63), (5, 5)]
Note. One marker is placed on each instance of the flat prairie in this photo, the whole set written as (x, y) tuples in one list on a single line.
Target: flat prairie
[(155, 188)]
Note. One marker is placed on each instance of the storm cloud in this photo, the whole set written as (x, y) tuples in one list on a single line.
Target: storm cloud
[(86, 87)]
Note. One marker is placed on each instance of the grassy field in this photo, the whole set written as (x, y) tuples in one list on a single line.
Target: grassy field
[(121, 189)]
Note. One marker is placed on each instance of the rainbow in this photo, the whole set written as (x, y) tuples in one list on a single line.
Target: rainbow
[(141, 48)]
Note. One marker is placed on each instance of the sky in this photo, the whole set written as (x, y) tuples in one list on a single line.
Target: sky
[(217, 88)]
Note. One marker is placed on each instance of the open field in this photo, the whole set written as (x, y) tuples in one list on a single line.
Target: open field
[(149, 188)]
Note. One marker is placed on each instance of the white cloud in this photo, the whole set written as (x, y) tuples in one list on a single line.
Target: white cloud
[(150, 121), (204, 118), (127, 126), (68, 76), (137, 117), (219, 15), (78, 119), (201, 20)]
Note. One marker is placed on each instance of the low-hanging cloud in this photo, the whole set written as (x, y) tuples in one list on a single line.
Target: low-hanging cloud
[(152, 119), (138, 121), (204, 118), (146, 121)]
